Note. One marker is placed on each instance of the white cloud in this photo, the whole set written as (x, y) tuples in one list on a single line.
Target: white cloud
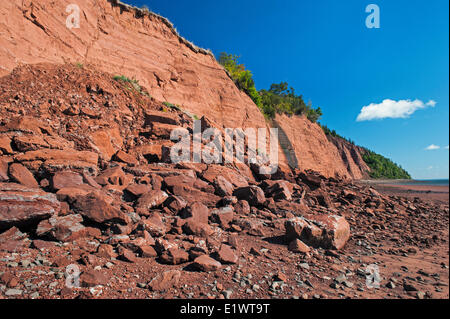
[(431, 103), (447, 147), (392, 109), (432, 147)]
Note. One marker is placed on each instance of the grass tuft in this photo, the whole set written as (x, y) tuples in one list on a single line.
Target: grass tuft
[(131, 84)]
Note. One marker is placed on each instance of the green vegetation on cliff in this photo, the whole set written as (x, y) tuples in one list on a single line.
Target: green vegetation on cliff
[(382, 167), (279, 99), (330, 132), (130, 84), (242, 77), (283, 100)]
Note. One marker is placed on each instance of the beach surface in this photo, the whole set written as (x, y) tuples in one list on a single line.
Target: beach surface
[(436, 193)]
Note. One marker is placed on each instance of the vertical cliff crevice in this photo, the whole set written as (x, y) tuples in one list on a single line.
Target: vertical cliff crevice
[(286, 145)]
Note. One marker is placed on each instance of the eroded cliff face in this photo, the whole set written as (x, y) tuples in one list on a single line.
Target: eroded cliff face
[(121, 40), (351, 157), (115, 39), (310, 148)]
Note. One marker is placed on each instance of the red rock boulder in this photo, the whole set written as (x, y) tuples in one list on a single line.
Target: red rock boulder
[(326, 231), (95, 208), (20, 205), (252, 194)]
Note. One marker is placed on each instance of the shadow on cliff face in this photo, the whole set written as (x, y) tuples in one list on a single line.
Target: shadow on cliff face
[(352, 157), (286, 146)]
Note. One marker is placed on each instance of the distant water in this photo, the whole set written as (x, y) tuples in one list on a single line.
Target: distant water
[(427, 182), (409, 182)]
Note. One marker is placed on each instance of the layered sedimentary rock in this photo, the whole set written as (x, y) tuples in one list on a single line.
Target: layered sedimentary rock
[(305, 145), (122, 40), (352, 157), (20, 205)]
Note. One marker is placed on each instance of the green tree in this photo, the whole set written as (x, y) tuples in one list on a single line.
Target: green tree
[(279, 99), (242, 78), (282, 99), (382, 167)]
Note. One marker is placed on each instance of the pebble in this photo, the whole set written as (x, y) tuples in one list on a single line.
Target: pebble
[(304, 266), (53, 284), (255, 287), (409, 287), (390, 284), (340, 279), (34, 295), (109, 265), (13, 292), (227, 293), (348, 284), (335, 285)]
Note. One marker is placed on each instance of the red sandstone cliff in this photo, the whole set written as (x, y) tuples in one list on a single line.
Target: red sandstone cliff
[(113, 38), (351, 157), (119, 39)]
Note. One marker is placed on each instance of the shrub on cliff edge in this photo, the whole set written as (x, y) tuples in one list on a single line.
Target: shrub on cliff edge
[(279, 99), (242, 78), (282, 99)]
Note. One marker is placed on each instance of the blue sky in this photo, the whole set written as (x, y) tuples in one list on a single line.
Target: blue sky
[(324, 50)]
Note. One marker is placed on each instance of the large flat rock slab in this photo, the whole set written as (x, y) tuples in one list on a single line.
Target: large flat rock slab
[(21, 205)]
